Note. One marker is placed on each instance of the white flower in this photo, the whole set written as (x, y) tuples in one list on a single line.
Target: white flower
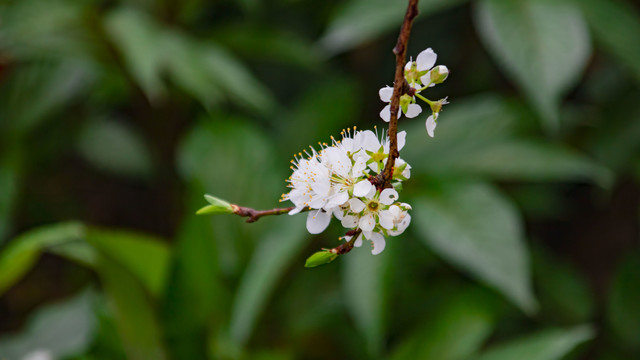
[(310, 184), (421, 68), (412, 111), (432, 122)]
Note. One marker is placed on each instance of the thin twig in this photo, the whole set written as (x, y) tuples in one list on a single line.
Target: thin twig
[(347, 246), (253, 214), (399, 88)]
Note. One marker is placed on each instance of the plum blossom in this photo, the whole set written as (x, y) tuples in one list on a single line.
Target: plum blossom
[(337, 182), (420, 75)]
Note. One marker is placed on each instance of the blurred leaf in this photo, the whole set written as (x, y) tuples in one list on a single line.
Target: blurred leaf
[(41, 89), (30, 30), (617, 141), (456, 331), (8, 191), (364, 289), (623, 310), (359, 21), (260, 43), (58, 330), (476, 228), (324, 109), (145, 257), (320, 258), (477, 136), (137, 37), (238, 83), (273, 254), (21, 253), (546, 345), (563, 293), (79, 251), (543, 45), (133, 311), (616, 24), (197, 298), (115, 148), (188, 69)]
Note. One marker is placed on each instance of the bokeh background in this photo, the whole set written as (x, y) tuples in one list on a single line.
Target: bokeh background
[(116, 116)]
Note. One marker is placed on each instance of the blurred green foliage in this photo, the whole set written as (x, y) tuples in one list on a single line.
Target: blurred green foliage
[(117, 115)]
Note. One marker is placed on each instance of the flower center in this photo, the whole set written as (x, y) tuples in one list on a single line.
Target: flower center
[(373, 206)]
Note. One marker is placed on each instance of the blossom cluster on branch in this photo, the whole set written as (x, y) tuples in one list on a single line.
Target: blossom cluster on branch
[(339, 181), (419, 75)]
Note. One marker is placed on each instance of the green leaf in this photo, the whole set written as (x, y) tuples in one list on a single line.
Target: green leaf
[(546, 345), (455, 332), (136, 37), (616, 26), (133, 311), (59, 330), (476, 228), (477, 137), (359, 21), (542, 45), (564, 294), (217, 206), (623, 311), (364, 288), (22, 252), (8, 190), (320, 258), (144, 256), (114, 147), (197, 297), (269, 261)]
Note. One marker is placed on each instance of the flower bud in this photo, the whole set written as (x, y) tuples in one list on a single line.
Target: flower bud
[(439, 74)]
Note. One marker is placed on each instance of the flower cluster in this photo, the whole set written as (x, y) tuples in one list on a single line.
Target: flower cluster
[(338, 181), (420, 75)]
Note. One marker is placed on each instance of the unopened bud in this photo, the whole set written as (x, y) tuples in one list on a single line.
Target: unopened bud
[(405, 100), (439, 74)]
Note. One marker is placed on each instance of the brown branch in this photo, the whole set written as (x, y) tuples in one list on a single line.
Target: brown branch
[(347, 246), (399, 88), (253, 214)]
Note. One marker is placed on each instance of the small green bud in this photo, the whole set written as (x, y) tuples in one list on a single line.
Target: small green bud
[(439, 74), (405, 100), (217, 206), (320, 258)]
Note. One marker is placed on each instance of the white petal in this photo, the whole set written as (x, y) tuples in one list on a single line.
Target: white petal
[(386, 93), (349, 221), (369, 141), (408, 65), (385, 114), (388, 196), (402, 135), (362, 188), (356, 205), (359, 166), (386, 219), (431, 125), (426, 59), (317, 221), (358, 242), (337, 160), (337, 200), (367, 222), (295, 210), (338, 212), (426, 79), (413, 110), (378, 243), (371, 193)]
